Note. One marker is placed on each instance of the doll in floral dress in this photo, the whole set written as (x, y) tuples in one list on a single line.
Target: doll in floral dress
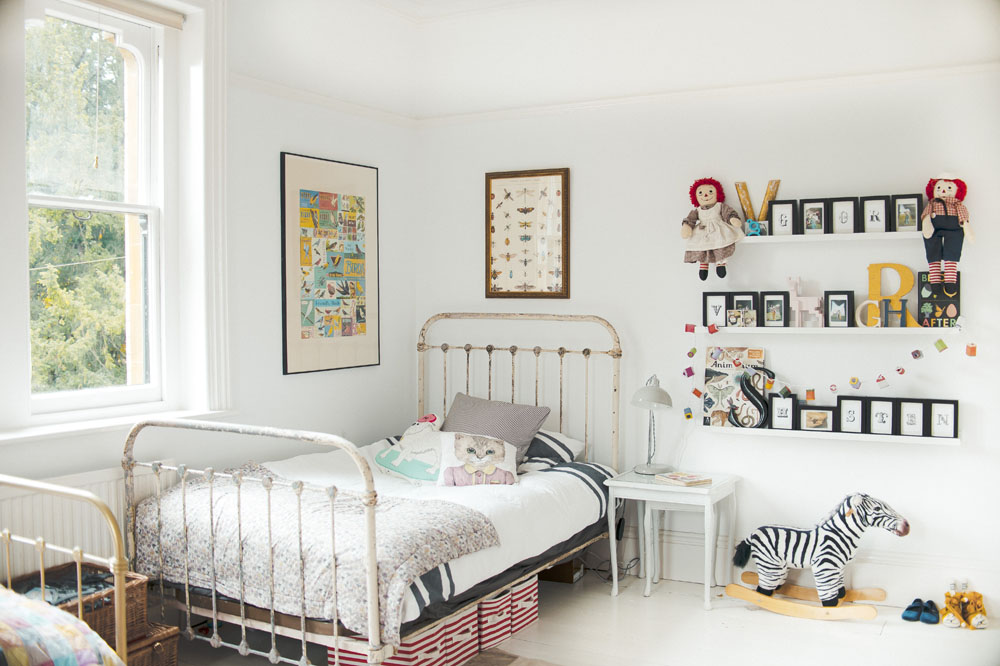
[(712, 229)]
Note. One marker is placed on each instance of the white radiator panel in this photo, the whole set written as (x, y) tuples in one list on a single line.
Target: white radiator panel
[(68, 523)]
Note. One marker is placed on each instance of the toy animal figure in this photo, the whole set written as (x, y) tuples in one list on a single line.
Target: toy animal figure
[(803, 305), (826, 548), (482, 457), (711, 230), (945, 224)]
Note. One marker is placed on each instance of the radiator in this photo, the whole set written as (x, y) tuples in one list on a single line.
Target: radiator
[(65, 522)]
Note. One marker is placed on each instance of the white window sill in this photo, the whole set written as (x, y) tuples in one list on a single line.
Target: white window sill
[(100, 425)]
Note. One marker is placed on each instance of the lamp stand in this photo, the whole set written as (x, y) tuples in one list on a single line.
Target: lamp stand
[(649, 468)]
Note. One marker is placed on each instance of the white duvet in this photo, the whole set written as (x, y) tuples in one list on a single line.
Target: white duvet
[(545, 508)]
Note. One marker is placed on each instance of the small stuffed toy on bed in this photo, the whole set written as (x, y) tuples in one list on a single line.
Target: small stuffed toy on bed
[(476, 460), (418, 455)]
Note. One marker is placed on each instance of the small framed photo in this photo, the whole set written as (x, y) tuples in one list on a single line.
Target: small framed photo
[(943, 418), (714, 305), (838, 309), (784, 412), (881, 416), (814, 216), (906, 211), (773, 308), (782, 218), (913, 417), (844, 215), (734, 317), (852, 414), (745, 300), (875, 217), (817, 418)]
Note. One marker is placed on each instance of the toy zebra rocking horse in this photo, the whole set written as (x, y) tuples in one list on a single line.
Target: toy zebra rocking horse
[(827, 548)]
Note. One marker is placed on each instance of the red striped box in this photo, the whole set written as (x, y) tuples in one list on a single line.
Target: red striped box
[(427, 649), (523, 604), (494, 620), (461, 637)]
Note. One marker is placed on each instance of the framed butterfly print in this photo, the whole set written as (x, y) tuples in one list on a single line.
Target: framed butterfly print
[(527, 234)]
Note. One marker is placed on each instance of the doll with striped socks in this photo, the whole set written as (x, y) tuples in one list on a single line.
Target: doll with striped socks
[(712, 229), (945, 225)]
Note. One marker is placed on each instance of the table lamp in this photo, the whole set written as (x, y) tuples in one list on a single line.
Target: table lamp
[(653, 398)]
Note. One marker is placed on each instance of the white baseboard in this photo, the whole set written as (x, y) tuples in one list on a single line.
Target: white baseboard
[(902, 575)]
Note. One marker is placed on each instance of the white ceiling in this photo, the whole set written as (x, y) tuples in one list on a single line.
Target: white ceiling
[(432, 58)]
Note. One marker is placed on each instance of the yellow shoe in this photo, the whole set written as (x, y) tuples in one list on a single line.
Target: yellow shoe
[(951, 611), (975, 611)]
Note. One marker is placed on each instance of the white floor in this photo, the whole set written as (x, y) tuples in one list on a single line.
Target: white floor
[(582, 625)]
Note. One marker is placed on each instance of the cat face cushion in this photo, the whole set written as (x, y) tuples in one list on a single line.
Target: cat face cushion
[(476, 460)]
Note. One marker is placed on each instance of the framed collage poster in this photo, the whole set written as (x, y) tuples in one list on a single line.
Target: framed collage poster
[(527, 234), (329, 264)]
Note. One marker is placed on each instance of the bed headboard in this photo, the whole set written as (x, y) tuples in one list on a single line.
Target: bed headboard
[(503, 357)]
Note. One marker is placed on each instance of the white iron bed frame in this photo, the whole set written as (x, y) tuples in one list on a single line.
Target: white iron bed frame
[(330, 633)]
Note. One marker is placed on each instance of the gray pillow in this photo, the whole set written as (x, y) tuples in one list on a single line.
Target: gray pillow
[(515, 424)]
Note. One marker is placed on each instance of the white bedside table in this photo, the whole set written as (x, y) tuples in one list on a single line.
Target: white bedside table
[(653, 496)]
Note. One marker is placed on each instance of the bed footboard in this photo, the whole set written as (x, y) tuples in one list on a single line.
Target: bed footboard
[(374, 644)]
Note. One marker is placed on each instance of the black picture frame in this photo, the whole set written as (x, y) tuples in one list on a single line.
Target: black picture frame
[(855, 226), (773, 225), (301, 175), (762, 311), (705, 295), (886, 207), (878, 422), (903, 425), (772, 398), (754, 298), (933, 425), (805, 418), (824, 206), (917, 203), (827, 295), (844, 410)]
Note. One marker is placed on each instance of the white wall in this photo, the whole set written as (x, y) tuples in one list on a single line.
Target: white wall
[(631, 165)]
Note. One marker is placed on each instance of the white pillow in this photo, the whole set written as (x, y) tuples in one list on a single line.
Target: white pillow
[(476, 460)]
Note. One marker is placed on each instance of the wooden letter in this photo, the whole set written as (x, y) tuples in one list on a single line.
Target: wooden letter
[(906, 281)]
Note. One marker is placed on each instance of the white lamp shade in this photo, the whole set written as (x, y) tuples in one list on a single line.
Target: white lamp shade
[(652, 397)]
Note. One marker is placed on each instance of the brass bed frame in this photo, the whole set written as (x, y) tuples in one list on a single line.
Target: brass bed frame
[(329, 633), (116, 564)]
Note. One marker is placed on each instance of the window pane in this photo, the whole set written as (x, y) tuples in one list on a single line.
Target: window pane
[(89, 314), (77, 93)]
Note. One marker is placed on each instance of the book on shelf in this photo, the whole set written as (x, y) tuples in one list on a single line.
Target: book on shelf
[(683, 479)]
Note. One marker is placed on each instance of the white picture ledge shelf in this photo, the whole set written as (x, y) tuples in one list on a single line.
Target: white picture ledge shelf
[(832, 238), (822, 330), (842, 436)]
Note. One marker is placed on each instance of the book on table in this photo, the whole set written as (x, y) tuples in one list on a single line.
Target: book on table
[(684, 479)]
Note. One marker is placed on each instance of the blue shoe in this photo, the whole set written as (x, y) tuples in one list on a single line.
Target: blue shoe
[(914, 610), (929, 614)]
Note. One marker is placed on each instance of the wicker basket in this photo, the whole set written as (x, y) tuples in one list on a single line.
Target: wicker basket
[(99, 607), (157, 648)]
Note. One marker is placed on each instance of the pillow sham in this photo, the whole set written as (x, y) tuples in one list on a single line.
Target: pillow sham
[(475, 460), (554, 446), (511, 422)]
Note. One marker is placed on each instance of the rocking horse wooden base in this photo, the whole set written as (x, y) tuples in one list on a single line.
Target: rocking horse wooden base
[(795, 609)]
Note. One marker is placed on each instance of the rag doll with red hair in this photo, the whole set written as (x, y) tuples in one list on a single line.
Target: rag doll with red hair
[(945, 224), (712, 229)]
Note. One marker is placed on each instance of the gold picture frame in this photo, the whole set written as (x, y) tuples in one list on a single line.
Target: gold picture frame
[(527, 234)]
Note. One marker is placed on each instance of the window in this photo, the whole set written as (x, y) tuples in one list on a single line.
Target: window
[(93, 217)]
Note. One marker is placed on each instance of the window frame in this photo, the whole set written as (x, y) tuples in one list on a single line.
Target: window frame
[(148, 202)]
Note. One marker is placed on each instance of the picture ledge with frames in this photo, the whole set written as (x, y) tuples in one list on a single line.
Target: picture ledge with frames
[(841, 436)]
